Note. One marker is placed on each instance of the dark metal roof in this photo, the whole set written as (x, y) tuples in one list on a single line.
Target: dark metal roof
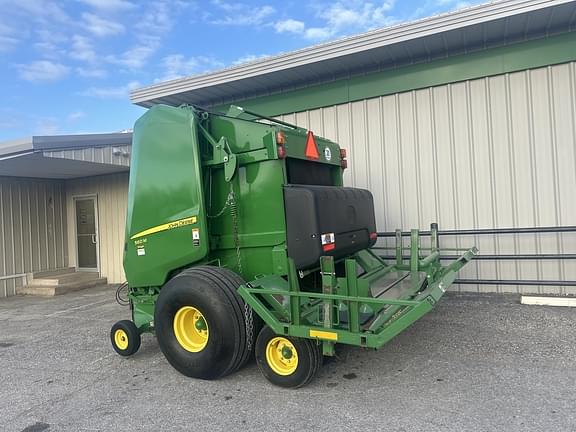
[(54, 142), (468, 30), (36, 165), (66, 156), (76, 141)]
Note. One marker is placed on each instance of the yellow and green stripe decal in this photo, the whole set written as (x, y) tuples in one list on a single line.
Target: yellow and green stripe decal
[(165, 227)]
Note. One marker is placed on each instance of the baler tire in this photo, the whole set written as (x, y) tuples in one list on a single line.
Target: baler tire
[(125, 338), (308, 355), (211, 293), (232, 282), (253, 328)]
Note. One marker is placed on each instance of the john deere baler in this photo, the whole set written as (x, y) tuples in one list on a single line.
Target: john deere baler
[(241, 239)]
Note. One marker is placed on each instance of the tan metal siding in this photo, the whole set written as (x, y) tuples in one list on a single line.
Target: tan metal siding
[(488, 153), (112, 195), (32, 234)]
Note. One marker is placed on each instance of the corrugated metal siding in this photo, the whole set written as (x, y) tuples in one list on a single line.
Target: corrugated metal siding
[(488, 153), (32, 229), (112, 195), (111, 155)]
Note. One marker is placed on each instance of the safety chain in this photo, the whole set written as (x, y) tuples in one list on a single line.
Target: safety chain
[(229, 201), (248, 313)]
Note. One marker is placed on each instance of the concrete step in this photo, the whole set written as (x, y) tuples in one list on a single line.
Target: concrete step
[(61, 284), (50, 273), (64, 278)]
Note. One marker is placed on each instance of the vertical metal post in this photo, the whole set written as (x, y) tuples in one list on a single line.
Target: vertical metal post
[(434, 244), (328, 285), (414, 250), (353, 306), (294, 287), (399, 247), (328, 272)]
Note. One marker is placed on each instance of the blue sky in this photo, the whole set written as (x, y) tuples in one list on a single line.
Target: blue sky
[(68, 66)]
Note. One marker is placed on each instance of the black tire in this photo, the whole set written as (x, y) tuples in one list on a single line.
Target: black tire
[(125, 338), (211, 291), (253, 321), (308, 355)]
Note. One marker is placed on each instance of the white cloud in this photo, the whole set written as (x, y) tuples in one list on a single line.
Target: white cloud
[(8, 38), (456, 4), (433, 7), (341, 18), (177, 66), (228, 7), (241, 14), (109, 5), (156, 22), (37, 23), (290, 26), (91, 73), (158, 18), (75, 116), (101, 27), (319, 33), (120, 92), (40, 11), (249, 58), (42, 71), (8, 43), (82, 49), (136, 57), (356, 13)]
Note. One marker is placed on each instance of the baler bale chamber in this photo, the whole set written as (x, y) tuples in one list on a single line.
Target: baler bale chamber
[(241, 239)]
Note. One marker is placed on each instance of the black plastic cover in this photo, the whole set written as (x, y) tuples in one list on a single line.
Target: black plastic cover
[(314, 213)]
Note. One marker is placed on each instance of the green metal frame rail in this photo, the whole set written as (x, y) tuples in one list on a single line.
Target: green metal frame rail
[(315, 315)]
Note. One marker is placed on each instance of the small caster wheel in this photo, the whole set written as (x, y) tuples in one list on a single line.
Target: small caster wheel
[(125, 338), (287, 361)]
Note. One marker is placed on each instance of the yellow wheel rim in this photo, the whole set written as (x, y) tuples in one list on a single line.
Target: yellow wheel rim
[(121, 339), (281, 356), (191, 329)]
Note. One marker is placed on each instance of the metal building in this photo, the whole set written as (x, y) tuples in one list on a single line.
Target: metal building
[(62, 204), (467, 119)]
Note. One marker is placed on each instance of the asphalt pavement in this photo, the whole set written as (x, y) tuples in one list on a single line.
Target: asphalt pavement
[(475, 363)]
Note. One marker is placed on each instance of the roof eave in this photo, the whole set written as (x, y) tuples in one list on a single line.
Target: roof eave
[(53, 142), (21, 145)]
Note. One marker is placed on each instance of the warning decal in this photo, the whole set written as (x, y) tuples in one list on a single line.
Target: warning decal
[(328, 241), (195, 236)]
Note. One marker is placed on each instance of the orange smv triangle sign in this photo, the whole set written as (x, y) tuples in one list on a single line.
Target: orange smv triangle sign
[(311, 147)]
